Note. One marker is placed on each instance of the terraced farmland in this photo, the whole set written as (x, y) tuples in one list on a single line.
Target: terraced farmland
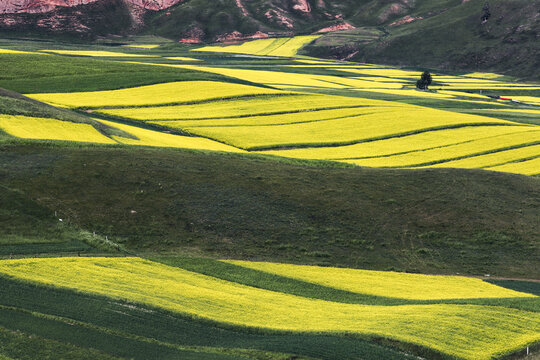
[(269, 47), (363, 114), (124, 164), (225, 302)]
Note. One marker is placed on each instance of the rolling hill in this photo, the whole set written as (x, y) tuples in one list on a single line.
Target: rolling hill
[(242, 201)]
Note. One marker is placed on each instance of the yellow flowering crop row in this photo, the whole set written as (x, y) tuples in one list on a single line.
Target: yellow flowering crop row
[(96, 53), (155, 138), (527, 167), (142, 46), (452, 151), (291, 47), (382, 122), (286, 80), (51, 129), (182, 91), (240, 107), (491, 160), (272, 47), (403, 286), (481, 75), (8, 51), (279, 119), (416, 142), (490, 331)]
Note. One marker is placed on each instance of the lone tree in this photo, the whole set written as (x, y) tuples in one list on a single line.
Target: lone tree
[(486, 13), (425, 81)]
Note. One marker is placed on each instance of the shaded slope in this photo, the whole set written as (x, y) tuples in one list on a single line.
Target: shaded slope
[(437, 221), (451, 38)]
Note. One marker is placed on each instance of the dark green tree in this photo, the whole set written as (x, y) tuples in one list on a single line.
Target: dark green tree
[(425, 81)]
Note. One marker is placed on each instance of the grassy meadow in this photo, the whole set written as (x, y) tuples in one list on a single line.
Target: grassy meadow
[(246, 202)]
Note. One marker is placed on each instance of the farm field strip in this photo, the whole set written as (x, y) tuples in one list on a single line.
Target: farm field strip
[(177, 330), (526, 99), (142, 46), (494, 159), (398, 145), (147, 137), (94, 53), (276, 119), (370, 282), (481, 75), (202, 296), (527, 167), (450, 152), (287, 47), (239, 107), (345, 131), (50, 129), (175, 92), (19, 52)]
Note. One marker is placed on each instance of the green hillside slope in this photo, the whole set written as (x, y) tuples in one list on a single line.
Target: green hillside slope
[(161, 201)]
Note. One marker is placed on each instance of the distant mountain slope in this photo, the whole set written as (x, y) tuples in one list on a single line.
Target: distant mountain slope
[(450, 34)]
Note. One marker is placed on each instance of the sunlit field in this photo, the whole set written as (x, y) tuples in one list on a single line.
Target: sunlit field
[(362, 114), (206, 297)]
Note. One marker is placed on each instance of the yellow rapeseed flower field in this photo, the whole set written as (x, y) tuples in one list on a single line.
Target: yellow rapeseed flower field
[(272, 47), (382, 122), (454, 151), (155, 138), (527, 167), (403, 286), (51, 129), (416, 142), (494, 159), (239, 107), (174, 92), (489, 331), (9, 52), (483, 75), (276, 119), (94, 53), (142, 46)]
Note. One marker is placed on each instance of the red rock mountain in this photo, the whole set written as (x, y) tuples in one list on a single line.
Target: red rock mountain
[(42, 6)]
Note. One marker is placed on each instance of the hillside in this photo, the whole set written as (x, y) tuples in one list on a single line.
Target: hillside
[(231, 206), (447, 34), (241, 201)]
